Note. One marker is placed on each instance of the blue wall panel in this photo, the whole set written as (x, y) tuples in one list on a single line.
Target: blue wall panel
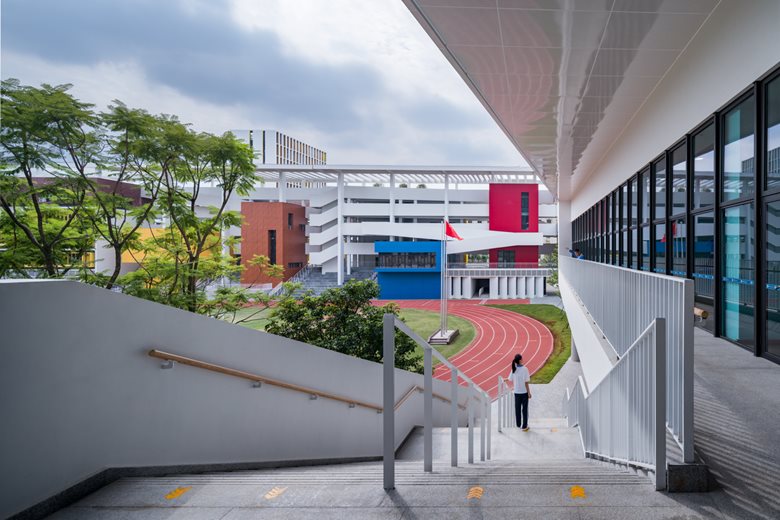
[(409, 285)]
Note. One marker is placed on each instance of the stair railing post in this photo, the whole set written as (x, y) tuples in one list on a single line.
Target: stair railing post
[(489, 410), (471, 424), (482, 432), (499, 398), (454, 417), (660, 403), (388, 401), (428, 411)]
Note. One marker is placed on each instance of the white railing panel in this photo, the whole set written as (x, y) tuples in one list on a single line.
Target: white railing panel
[(622, 303)]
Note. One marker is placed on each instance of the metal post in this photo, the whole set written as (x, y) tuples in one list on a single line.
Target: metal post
[(388, 400), (489, 409), (687, 373), (454, 417), (660, 403), (428, 412), (471, 424), (482, 438), (499, 399)]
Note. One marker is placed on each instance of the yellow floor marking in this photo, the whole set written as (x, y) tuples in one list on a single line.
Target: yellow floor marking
[(553, 429), (275, 492), (176, 493), (475, 492), (578, 492)]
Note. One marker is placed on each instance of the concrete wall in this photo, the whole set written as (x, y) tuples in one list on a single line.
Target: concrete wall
[(78, 392), (735, 47)]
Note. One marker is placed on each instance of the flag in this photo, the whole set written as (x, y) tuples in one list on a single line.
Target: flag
[(450, 231)]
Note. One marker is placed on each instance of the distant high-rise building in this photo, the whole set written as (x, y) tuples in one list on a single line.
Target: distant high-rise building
[(274, 147)]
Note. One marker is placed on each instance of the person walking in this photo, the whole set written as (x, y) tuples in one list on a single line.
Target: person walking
[(521, 383)]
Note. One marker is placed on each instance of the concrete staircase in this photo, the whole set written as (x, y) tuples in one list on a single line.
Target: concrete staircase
[(318, 282)]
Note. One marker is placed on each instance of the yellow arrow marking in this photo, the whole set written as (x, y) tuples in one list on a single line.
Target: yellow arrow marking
[(275, 492), (176, 493), (577, 492), (475, 492)]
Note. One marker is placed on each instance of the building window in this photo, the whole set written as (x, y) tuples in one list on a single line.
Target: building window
[(773, 134), (678, 247), (704, 168), (289, 221), (704, 263), (294, 265), (679, 185), (738, 151), (524, 211), (272, 246), (738, 287), (407, 260), (772, 286)]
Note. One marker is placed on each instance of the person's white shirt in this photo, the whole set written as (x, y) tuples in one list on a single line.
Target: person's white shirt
[(519, 378)]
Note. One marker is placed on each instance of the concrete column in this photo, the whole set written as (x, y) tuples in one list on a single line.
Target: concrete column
[(340, 230), (392, 200), (457, 286), (282, 187), (539, 286), (494, 288), (529, 289), (521, 289), (502, 289), (446, 197), (467, 289), (512, 286), (564, 227)]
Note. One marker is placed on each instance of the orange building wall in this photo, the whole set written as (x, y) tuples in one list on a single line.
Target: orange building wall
[(259, 218)]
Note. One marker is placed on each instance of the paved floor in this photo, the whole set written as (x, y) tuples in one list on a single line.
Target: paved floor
[(500, 334)]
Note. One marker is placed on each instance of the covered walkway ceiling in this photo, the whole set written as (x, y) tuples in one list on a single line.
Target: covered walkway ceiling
[(411, 175), (562, 78)]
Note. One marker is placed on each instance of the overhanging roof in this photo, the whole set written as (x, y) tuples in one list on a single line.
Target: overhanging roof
[(562, 78), (403, 174)]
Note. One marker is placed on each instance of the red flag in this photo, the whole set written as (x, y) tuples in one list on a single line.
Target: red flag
[(450, 231)]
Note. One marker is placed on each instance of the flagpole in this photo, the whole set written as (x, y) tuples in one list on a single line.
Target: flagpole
[(443, 320)]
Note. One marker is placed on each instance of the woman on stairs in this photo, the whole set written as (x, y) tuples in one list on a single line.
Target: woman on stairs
[(520, 381)]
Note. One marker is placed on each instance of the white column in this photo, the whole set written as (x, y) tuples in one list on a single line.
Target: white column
[(467, 291), (493, 288), (530, 287), (539, 286), (521, 290), (502, 292), (446, 197), (512, 285), (392, 201), (564, 227), (282, 187), (340, 230), (457, 286)]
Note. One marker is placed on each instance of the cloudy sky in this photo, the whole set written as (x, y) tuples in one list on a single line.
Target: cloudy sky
[(359, 79)]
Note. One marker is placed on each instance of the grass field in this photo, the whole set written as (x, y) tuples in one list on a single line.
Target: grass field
[(426, 323), (423, 323), (555, 320)]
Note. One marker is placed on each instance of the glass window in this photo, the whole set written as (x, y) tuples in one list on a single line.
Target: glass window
[(773, 278), (624, 250), (738, 151), (645, 182), (644, 243), (679, 247), (738, 274), (634, 250), (624, 207), (679, 180), (524, 210), (659, 174), (704, 264), (659, 246), (633, 208), (773, 134), (704, 168)]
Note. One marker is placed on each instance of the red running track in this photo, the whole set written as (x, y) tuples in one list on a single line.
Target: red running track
[(500, 334)]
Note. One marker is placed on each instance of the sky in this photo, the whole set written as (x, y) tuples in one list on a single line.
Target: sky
[(358, 79)]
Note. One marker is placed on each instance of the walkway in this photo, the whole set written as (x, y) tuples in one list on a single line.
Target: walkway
[(499, 335)]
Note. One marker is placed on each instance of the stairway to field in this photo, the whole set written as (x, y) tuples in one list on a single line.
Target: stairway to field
[(318, 282)]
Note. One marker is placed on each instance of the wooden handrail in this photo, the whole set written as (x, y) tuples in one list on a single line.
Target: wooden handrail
[(168, 356)]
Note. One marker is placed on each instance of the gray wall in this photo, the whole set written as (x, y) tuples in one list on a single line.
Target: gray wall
[(78, 392)]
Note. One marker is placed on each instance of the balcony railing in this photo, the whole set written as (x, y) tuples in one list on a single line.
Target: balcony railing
[(622, 303)]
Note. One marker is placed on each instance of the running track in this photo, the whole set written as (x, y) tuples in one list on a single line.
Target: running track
[(500, 334)]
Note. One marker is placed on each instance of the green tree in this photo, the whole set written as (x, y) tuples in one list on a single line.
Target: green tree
[(48, 141), (342, 319)]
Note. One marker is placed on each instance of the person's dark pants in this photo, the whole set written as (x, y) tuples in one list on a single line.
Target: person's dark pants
[(521, 410)]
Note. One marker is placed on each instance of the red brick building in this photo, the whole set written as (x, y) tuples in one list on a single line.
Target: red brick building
[(276, 230)]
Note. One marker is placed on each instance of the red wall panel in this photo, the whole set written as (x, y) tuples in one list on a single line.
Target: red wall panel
[(258, 219), (504, 207)]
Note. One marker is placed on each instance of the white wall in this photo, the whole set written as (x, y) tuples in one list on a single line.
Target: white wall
[(78, 392), (737, 45)]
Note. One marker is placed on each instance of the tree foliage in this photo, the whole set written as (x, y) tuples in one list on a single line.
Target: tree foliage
[(342, 319)]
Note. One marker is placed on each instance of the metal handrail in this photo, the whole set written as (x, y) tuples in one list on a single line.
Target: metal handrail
[(622, 302), (256, 378), (477, 398), (622, 418)]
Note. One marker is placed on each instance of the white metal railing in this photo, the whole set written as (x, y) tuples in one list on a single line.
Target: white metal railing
[(622, 418), (300, 276), (478, 403), (622, 303)]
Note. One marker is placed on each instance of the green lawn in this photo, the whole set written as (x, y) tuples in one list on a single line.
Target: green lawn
[(257, 321), (555, 320), (426, 323)]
